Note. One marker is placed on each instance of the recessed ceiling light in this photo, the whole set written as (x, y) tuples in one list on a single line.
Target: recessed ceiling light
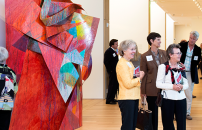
[(197, 4)]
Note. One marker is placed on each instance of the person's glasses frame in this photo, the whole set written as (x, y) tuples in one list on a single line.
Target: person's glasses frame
[(179, 53)]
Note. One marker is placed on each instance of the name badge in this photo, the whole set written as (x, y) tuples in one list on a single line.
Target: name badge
[(129, 64), (195, 57), (114, 54), (149, 58)]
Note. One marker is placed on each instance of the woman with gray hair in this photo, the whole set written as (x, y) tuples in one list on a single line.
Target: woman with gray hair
[(172, 80), (8, 89), (129, 86)]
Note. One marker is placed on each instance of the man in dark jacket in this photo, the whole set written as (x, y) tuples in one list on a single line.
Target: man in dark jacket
[(110, 61), (191, 55)]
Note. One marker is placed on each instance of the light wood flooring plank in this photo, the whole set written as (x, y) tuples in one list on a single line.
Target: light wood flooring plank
[(99, 116)]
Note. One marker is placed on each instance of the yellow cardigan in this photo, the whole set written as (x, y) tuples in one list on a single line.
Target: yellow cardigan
[(129, 88)]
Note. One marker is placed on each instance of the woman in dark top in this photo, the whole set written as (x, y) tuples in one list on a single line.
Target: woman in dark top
[(8, 88)]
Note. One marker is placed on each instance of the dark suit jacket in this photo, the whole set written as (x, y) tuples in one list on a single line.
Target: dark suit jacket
[(110, 60), (194, 63), (150, 68)]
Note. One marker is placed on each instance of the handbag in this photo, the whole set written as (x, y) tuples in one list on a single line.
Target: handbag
[(144, 118), (159, 99)]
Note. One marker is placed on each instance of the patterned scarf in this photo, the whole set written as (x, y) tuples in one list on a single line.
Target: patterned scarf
[(174, 69)]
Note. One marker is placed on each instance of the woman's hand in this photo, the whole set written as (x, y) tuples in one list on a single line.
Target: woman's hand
[(138, 74), (176, 87), (180, 85), (182, 65), (143, 95), (141, 74)]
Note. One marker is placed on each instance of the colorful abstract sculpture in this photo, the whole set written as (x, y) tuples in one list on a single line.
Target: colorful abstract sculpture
[(49, 44)]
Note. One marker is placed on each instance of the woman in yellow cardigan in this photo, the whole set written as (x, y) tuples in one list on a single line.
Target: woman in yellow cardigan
[(129, 86)]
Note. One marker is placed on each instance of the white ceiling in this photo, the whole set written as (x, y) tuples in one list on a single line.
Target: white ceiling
[(181, 11)]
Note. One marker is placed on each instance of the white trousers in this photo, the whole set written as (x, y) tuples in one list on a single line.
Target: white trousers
[(188, 92)]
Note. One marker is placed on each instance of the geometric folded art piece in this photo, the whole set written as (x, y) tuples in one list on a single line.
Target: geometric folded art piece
[(49, 44)]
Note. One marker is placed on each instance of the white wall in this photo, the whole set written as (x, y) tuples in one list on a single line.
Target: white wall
[(182, 32), (196, 25), (169, 30), (158, 22), (2, 24), (93, 87), (129, 20)]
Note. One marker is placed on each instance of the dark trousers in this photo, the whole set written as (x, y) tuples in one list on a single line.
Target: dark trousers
[(113, 87), (200, 65), (5, 117), (129, 112), (171, 107), (154, 108)]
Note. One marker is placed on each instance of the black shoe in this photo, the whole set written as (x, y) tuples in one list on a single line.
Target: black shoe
[(115, 100), (193, 96), (200, 77), (112, 102)]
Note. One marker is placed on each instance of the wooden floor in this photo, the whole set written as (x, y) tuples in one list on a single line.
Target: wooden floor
[(99, 116)]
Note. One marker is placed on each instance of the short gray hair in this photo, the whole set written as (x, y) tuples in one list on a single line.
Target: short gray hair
[(3, 54), (170, 49), (124, 45), (195, 33)]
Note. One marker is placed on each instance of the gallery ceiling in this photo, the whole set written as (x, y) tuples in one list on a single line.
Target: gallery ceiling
[(181, 11)]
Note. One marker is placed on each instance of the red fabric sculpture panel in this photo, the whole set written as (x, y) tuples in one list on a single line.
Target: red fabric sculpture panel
[(49, 44)]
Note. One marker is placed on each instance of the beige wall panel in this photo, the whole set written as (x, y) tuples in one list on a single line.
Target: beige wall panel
[(129, 20), (182, 32), (93, 87), (106, 44), (196, 25), (169, 30), (158, 22)]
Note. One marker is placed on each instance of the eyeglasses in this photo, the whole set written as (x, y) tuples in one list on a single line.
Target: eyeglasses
[(179, 53)]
